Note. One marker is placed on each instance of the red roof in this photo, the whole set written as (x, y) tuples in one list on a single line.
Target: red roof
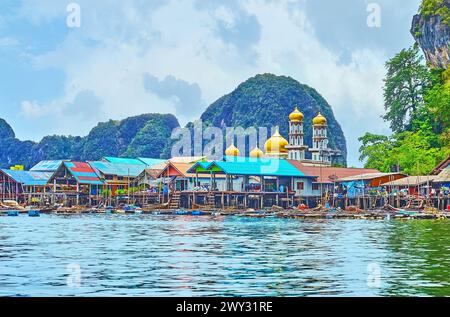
[(328, 174)]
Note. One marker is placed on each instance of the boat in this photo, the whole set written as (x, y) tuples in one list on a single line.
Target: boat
[(12, 213), (150, 208), (11, 205), (199, 213), (34, 213)]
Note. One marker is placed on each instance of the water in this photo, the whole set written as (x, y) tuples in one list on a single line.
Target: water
[(144, 255)]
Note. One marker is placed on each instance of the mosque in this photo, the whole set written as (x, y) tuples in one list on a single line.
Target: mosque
[(295, 149)]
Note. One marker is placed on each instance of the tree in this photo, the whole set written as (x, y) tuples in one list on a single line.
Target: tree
[(375, 150), (414, 153), (406, 83)]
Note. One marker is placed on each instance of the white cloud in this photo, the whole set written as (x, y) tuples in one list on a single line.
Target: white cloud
[(119, 42), (32, 110), (8, 42)]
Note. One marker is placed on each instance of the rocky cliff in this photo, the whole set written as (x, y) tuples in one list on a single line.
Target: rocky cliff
[(146, 135), (431, 30), (267, 100)]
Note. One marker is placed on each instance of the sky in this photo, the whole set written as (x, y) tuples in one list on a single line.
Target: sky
[(131, 57)]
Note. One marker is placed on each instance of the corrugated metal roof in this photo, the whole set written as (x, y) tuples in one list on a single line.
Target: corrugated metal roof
[(119, 169), (123, 160), (151, 161), (444, 176), (47, 166), (366, 176), (257, 166), (441, 166), (411, 181), (187, 159), (328, 174), (154, 172), (83, 173), (29, 178)]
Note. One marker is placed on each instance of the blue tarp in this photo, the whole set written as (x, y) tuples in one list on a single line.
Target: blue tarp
[(354, 188)]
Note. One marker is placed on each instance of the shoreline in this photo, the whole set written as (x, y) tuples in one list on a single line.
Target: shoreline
[(285, 214)]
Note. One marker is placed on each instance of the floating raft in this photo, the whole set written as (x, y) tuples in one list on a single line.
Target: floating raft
[(364, 215)]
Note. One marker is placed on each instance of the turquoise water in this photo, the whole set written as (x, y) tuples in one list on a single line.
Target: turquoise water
[(146, 255)]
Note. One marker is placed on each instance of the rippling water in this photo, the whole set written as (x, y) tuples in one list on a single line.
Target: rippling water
[(147, 255)]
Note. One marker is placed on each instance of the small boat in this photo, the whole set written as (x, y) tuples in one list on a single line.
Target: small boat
[(109, 210), (34, 213), (13, 213), (131, 209), (199, 213)]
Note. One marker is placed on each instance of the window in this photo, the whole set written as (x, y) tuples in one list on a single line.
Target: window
[(300, 185), (315, 186)]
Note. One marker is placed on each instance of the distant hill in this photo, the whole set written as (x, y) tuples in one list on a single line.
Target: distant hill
[(146, 135), (267, 100), (261, 101)]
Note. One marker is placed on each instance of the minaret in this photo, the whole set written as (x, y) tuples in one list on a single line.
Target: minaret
[(320, 151), (296, 146)]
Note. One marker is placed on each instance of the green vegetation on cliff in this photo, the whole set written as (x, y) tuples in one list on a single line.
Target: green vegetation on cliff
[(266, 100), (417, 102), (145, 135), (436, 7)]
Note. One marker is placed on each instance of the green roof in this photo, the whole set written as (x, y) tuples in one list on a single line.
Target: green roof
[(151, 161), (200, 167), (123, 160)]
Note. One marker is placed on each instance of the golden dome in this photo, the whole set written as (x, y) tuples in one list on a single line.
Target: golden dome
[(296, 116), (232, 151), (319, 120), (276, 144), (256, 152)]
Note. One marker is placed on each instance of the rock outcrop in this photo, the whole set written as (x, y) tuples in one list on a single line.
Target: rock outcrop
[(266, 100), (431, 30)]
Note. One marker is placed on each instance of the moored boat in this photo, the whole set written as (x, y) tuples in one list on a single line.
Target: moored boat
[(34, 213), (12, 213)]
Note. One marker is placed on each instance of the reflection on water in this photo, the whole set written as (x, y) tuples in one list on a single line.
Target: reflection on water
[(193, 256)]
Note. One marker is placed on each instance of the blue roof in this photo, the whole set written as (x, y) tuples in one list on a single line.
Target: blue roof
[(254, 166), (151, 161), (29, 178), (123, 160), (47, 166), (119, 169)]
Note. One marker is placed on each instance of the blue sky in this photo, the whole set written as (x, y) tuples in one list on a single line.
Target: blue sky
[(179, 56)]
